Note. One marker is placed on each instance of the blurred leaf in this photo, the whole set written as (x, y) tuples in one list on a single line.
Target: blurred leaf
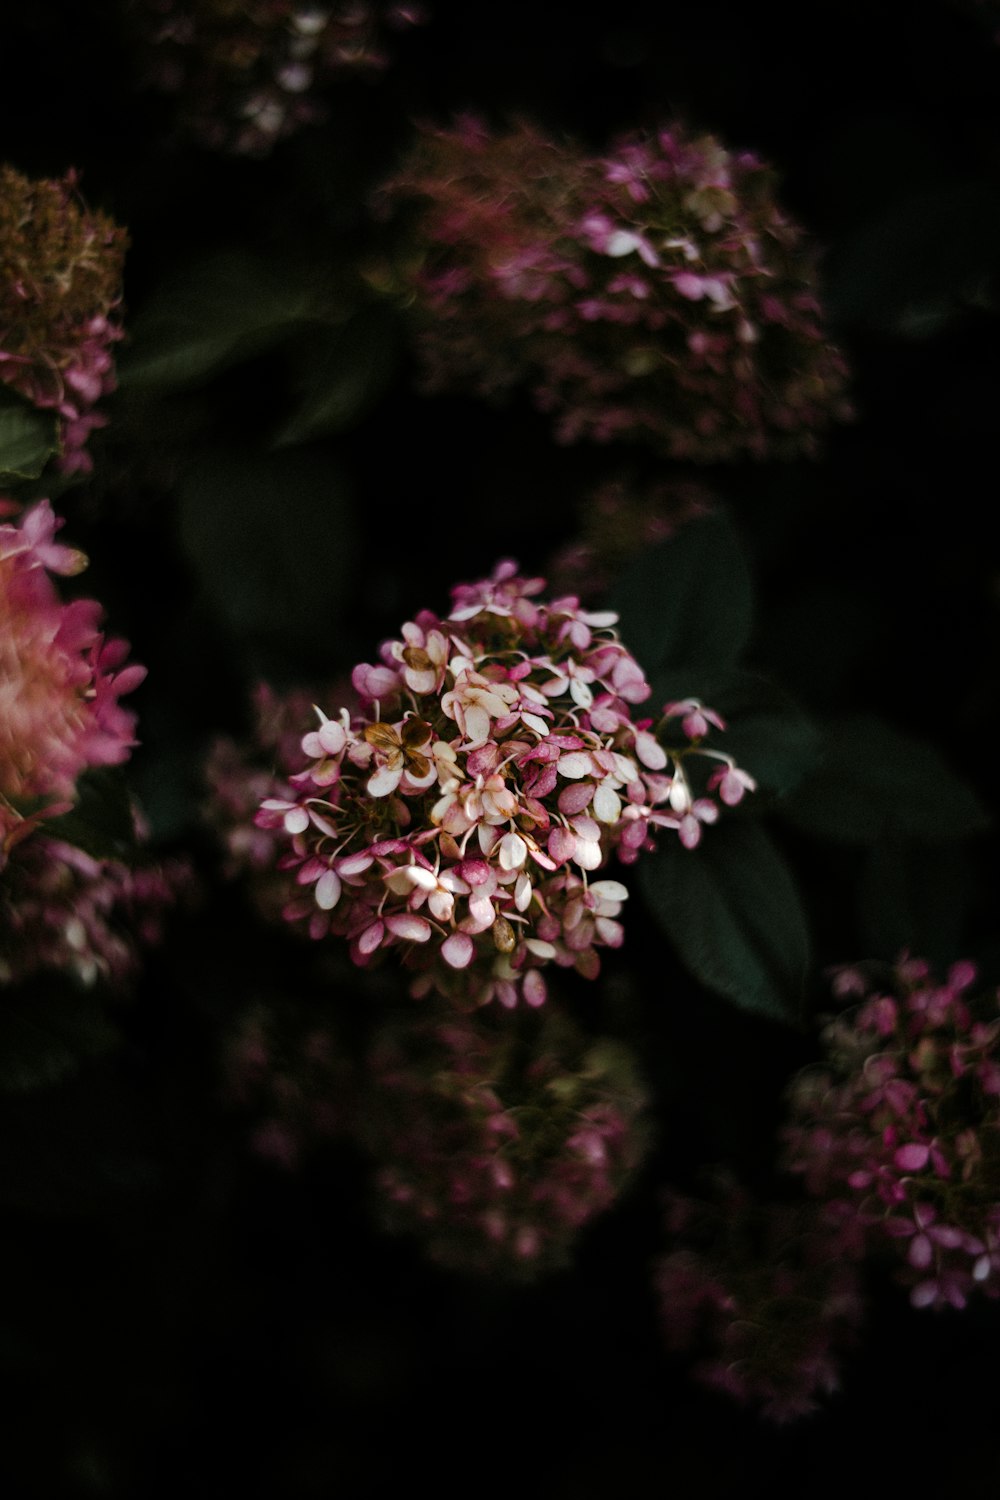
[(219, 312), (924, 257), (914, 896), (271, 540), (731, 909), (101, 822), (48, 1029), (28, 438), (339, 373), (687, 603), (874, 780)]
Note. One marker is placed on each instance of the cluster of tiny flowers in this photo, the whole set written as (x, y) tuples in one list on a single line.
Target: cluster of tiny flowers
[(240, 775), (62, 910), (60, 680), (60, 294), (760, 1294), (497, 1149), (898, 1131), (658, 294), (245, 76), (618, 522), (462, 818), (282, 1067)]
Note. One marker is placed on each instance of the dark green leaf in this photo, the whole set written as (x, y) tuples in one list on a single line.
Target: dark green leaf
[(732, 911), (687, 603), (270, 538), (48, 1029), (914, 896), (218, 313), (28, 439), (101, 821), (339, 373), (919, 260), (874, 780)]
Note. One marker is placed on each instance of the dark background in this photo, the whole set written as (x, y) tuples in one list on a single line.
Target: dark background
[(181, 1317)]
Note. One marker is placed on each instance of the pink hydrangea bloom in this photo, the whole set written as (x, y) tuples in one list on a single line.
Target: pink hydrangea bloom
[(60, 297), (62, 910), (245, 76), (658, 294), (761, 1295), (463, 818), (898, 1130), (496, 1153), (60, 680)]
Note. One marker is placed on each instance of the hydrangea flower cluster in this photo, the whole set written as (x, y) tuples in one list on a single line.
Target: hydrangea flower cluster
[(60, 295), (60, 680), (245, 76), (899, 1128), (760, 1293), (240, 775), (63, 910), (496, 1149), (461, 819), (658, 294)]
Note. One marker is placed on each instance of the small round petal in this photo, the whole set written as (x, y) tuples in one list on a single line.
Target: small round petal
[(328, 889), (458, 950), (410, 928)]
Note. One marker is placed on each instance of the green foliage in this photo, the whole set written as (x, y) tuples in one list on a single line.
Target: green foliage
[(919, 260), (337, 374), (731, 909), (685, 607), (874, 780), (218, 312), (915, 897), (28, 439), (270, 539)]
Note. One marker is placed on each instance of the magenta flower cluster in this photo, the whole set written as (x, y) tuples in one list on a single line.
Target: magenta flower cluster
[(658, 294), (61, 680), (245, 76), (60, 297), (760, 1293), (494, 1148), (463, 817), (63, 910), (898, 1130)]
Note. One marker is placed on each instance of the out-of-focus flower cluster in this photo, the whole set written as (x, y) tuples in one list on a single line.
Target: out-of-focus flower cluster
[(617, 522), (63, 910), (246, 75), (60, 295), (60, 680), (658, 294), (284, 1069), (497, 1148), (462, 818), (761, 1295), (898, 1131), (240, 775)]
